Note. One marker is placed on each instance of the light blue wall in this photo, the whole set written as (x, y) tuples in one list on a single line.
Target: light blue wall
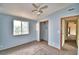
[(7, 40), (0, 32), (54, 20)]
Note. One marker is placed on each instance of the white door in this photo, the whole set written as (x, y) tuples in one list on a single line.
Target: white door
[(78, 35), (38, 31), (63, 31)]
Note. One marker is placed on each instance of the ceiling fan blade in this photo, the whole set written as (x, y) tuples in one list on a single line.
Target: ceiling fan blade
[(35, 5), (40, 11), (34, 10), (44, 7)]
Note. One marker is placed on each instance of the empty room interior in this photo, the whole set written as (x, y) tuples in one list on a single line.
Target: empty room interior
[(39, 28)]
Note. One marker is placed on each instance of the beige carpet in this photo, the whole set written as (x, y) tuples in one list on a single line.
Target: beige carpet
[(39, 48)]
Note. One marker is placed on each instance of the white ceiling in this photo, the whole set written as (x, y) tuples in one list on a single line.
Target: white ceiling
[(25, 9)]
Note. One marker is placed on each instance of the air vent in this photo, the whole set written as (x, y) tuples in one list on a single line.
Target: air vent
[(71, 9)]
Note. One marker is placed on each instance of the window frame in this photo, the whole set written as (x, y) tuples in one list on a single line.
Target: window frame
[(21, 28)]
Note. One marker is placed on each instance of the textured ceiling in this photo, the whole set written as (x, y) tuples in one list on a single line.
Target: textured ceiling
[(25, 9)]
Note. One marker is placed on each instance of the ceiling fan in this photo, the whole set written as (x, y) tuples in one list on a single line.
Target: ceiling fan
[(39, 8)]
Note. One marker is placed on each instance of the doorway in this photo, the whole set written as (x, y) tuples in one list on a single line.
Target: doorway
[(44, 31), (69, 32)]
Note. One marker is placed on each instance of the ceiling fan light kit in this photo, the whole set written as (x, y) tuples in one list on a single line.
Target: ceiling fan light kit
[(37, 13), (39, 9)]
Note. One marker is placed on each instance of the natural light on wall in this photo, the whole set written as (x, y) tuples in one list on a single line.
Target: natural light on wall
[(20, 27)]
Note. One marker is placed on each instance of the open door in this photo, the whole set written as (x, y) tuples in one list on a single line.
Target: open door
[(63, 25), (78, 33)]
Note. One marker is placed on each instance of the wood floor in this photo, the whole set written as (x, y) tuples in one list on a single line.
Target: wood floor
[(70, 47), (39, 48)]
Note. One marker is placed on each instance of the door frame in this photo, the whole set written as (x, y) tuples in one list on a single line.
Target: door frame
[(65, 30), (69, 18), (45, 20), (38, 32)]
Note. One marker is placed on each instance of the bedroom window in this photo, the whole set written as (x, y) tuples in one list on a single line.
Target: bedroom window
[(20, 27)]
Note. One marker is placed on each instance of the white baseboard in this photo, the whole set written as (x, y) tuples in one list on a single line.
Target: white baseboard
[(77, 52)]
